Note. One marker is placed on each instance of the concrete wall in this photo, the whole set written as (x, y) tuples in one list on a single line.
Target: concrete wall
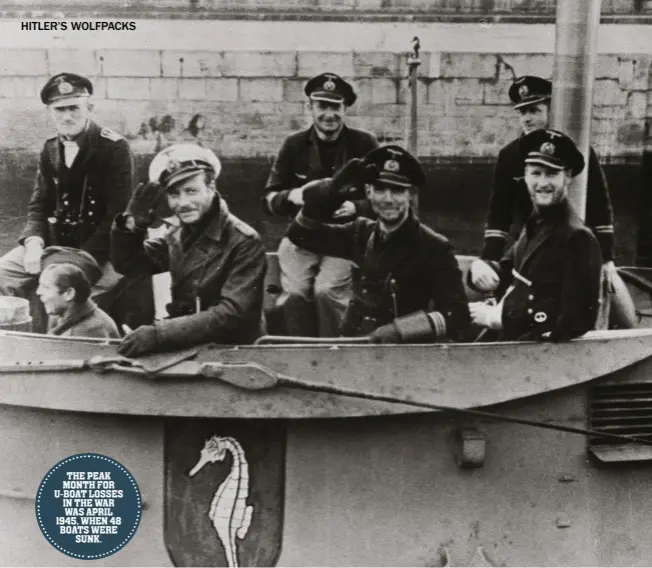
[(246, 79)]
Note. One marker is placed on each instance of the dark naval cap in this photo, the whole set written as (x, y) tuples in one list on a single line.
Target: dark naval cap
[(79, 258), (66, 89), (552, 148), (397, 167), (529, 90), (179, 162), (331, 88)]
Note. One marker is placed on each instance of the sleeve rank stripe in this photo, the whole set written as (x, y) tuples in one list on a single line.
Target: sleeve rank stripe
[(438, 322)]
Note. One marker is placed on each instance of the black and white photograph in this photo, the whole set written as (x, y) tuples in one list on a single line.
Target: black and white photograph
[(326, 283)]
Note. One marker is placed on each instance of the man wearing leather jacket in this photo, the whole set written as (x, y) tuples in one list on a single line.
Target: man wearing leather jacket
[(216, 261), (409, 286)]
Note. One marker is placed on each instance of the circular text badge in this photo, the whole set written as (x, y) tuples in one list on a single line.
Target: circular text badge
[(88, 506)]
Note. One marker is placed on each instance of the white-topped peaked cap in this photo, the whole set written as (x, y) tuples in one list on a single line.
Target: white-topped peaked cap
[(182, 161)]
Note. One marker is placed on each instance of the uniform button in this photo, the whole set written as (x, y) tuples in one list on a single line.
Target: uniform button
[(65, 203), (90, 213), (529, 311), (530, 297), (92, 202), (365, 291)]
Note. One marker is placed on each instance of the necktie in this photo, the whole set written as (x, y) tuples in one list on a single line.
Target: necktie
[(70, 151)]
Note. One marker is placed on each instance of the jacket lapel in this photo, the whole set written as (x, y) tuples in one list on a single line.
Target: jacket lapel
[(184, 262)]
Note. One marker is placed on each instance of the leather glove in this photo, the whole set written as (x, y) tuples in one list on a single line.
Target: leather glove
[(483, 277), (140, 341), (349, 181), (140, 209), (319, 202), (323, 197), (388, 333)]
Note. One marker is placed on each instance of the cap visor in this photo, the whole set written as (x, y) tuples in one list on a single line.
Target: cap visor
[(181, 176), (532, 102), (327, 97), (541, 160), (392, 181), (68, 101)]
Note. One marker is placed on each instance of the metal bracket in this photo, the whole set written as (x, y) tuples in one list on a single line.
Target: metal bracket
[(469, 446)]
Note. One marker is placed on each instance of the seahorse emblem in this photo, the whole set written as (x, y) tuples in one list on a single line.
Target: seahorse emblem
[(229, 511)]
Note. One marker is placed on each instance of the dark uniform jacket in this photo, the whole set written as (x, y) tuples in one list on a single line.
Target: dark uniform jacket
[(298, 162), (413, 269), (554, 269), (219, 270), (87, 321), (82, 199), (510, 203)]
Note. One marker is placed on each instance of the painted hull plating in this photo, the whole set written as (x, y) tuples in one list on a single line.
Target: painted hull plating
[(383, 490)]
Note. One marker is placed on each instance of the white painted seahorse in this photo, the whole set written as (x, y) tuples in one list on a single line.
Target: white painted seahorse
[(229, 512)]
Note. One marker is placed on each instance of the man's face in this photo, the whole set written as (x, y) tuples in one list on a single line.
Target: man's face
[(389, 202), (533, 117), (70, 120), (547, 186), (54, 300), (190, 199), (327, 116)]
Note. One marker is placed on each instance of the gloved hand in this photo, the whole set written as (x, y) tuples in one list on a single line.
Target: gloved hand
[(32, 255), (388, 333), (483, 276), (141, 340), (350, 180), (140, 209), (486, 315)]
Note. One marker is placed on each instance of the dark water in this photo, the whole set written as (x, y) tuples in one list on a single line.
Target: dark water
[(455, 206)]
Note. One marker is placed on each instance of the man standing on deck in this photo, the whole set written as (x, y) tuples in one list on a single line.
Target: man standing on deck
[(409, 286), (84, 179), (317, 287), (216, 261), (510, 201), (549, 280)]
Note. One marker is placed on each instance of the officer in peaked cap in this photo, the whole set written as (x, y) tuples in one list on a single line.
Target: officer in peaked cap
[(316, 288), (332, 88), (549, 281), (408, 287), (84, 178), (510, 205), (529, 90), (216, 261), (64, 289)]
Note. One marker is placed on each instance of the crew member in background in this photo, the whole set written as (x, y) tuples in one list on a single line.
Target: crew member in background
[(510, 202), (409, 286), (85, 175), (317, 287), (550, 279), (216, 261), (64, 288)]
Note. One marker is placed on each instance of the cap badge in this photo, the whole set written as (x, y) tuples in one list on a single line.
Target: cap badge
[(548, 148), (392, 166), (523, 91), (329, 85), (65, 88), (173, 165)]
